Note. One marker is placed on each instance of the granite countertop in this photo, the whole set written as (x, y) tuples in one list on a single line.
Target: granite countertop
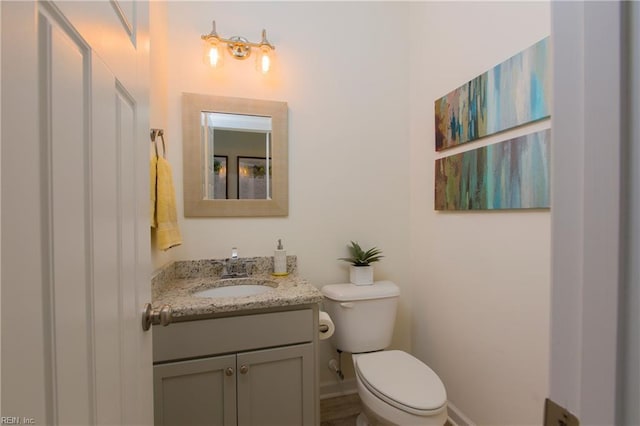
[(176, 284)]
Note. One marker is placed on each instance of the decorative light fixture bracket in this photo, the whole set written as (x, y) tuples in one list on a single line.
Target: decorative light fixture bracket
[(238, 47)]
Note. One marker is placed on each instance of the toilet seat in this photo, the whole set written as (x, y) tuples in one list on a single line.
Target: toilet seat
[(409, 385)]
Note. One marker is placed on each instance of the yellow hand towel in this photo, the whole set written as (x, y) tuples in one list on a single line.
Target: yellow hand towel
[(166, 217), (152, 193)]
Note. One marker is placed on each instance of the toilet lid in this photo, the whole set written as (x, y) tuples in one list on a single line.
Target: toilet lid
[(352, 292), (402, 381)]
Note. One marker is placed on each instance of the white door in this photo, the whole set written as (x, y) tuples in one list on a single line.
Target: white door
[(594, 367), (75, 239)]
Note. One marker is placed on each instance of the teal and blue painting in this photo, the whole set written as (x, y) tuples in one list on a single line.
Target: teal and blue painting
[(511, 94), (513, 174)]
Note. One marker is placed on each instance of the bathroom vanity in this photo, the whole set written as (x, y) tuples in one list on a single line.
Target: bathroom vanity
[(245, 360)]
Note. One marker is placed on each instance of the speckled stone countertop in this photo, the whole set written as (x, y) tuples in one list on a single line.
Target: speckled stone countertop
[(175, 284)]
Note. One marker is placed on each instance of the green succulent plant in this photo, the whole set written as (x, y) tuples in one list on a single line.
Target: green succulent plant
[(359, 257)]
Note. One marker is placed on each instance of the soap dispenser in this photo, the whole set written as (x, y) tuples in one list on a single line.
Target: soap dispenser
[(279, 260)]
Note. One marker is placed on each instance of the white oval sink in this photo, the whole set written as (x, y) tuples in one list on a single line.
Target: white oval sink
[(239, 290)]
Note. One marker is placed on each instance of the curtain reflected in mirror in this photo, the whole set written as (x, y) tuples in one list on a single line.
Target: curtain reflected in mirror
[(217, 182), (253, 179)]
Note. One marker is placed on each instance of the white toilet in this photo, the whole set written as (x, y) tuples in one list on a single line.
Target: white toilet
[(394, 387)]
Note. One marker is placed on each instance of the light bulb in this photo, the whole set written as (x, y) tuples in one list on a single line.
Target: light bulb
[(264, 59), (213, 55), (265, 63)]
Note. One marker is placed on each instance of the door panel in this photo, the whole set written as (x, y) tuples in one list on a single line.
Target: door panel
[(109, 297), (102, 25), (126, 11), (65, 72)]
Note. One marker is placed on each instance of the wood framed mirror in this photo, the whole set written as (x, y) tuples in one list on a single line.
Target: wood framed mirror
[(235, 156)]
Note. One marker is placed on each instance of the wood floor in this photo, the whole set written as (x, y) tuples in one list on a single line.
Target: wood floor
[(342, 411)]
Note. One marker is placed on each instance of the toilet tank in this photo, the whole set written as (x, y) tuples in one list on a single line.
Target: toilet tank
[(364, 315)]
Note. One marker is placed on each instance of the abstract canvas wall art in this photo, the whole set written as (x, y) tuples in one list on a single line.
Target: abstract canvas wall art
[(513, 174), (511, 94)]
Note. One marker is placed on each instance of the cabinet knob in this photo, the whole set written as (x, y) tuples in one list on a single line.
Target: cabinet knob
[(228, 371), (244, 369)]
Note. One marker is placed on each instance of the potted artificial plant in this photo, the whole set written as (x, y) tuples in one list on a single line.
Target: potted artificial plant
[(361, 270)]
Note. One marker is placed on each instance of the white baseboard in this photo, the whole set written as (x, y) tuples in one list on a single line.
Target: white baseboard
[(334, 388), (456, 417)]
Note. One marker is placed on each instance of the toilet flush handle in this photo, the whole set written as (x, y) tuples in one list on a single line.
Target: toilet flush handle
[(347, 304)]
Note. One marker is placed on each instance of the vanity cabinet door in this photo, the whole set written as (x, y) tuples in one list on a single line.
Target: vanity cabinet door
[(276, 386), (197, 392)]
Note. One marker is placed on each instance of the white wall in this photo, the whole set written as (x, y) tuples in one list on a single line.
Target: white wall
[(346, 78), (158, 114), (480, 280)]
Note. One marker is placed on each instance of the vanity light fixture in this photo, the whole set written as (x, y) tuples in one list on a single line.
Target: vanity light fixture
[(239, 48)]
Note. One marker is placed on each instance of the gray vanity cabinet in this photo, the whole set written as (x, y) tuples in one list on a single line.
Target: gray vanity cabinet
[(216, 372), (274, 388), (197, 392)]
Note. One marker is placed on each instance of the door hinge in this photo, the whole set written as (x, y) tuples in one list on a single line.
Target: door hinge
[(556, 415)]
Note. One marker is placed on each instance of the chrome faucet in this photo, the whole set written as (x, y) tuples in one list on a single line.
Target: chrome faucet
[(234, 268)]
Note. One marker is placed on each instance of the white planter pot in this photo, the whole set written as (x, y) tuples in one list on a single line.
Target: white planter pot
[(361, 275)]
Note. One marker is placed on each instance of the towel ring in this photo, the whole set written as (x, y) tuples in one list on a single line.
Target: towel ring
[(153, 134), (164, 148)]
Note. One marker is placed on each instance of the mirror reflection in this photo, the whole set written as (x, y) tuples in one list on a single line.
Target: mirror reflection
[(237, 153)]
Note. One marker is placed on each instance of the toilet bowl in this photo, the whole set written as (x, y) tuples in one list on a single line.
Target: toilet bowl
[(395, 388)]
